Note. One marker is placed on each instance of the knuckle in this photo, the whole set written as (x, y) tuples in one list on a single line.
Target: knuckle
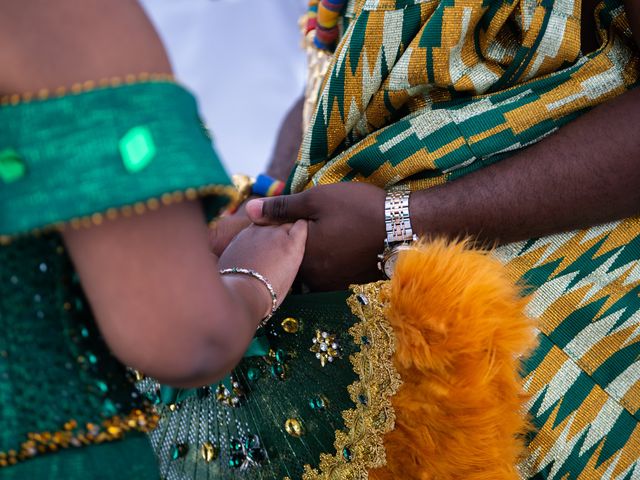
[(309, 199), (278, 208)]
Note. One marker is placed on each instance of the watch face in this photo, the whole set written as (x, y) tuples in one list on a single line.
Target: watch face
[(391, 258), (390, 264)]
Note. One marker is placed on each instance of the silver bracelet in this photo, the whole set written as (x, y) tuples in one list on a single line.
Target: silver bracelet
[(264, 281)]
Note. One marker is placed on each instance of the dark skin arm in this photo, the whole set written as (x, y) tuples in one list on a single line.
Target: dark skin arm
[(288, 142), (586, 174), (284, 156), (151, 280), (632, 8)]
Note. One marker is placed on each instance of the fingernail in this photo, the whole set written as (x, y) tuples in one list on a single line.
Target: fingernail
[(254, 209)]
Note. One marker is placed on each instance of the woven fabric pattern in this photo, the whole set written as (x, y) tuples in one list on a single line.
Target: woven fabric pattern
[(424, 92)]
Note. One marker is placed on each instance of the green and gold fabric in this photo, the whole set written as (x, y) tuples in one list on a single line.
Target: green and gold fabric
[(70, 159), (422, 92)]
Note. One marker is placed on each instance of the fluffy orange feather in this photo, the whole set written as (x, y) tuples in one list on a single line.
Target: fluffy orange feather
[(461, 333)]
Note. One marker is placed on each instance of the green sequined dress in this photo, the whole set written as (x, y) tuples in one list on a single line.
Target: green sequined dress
[(68, 408)]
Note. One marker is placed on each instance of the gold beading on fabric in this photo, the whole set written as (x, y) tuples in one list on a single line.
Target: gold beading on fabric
[(77, 88), (73, 436), (138, 208)]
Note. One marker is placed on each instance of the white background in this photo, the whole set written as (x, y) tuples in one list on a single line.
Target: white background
[(242, 59)]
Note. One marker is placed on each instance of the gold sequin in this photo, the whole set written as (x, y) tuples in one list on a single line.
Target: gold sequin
[(293, 427), (191, 194), (114, 430), (290, 325), (208, 452)]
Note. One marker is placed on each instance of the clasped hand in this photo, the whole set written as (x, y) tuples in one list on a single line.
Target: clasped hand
[(345, 231)]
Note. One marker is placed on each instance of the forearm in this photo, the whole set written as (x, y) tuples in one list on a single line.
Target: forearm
[(287, 144), (585, 174), (159, 301), (632, 9)]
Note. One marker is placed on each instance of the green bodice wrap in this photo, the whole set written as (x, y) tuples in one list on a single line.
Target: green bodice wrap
[(81, 159), (59, 386), (80, 155)]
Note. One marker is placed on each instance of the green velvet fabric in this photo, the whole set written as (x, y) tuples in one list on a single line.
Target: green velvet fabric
[(67, 157)]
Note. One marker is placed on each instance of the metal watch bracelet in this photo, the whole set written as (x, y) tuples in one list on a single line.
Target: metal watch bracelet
[(398, 229)]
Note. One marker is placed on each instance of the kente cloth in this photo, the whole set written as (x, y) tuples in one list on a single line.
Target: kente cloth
[(424, 92), (68, 408)]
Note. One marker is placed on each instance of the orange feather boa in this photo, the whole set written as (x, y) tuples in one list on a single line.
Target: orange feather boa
[(461, 333)]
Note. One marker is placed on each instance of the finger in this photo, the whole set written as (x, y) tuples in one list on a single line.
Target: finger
[(299, 231), (286, 227), (282, 209), (217, 239), (222, 232), (270, 229)]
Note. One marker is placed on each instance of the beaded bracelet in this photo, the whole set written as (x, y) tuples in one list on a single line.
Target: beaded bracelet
[(263, 186), (266, 186), (264, 281)]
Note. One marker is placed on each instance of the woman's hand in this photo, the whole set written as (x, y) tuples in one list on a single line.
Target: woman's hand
[(225, 228), (274, 251)]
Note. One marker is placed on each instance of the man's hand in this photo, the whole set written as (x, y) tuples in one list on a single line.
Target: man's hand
[(346, 231)]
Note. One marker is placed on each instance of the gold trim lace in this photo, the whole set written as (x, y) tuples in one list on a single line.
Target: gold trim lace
[(73, 436), (359, 447)]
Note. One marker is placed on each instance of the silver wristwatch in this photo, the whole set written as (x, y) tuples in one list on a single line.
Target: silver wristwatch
[(399, 232)]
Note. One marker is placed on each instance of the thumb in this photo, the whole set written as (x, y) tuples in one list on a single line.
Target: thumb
[(277, 210)]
